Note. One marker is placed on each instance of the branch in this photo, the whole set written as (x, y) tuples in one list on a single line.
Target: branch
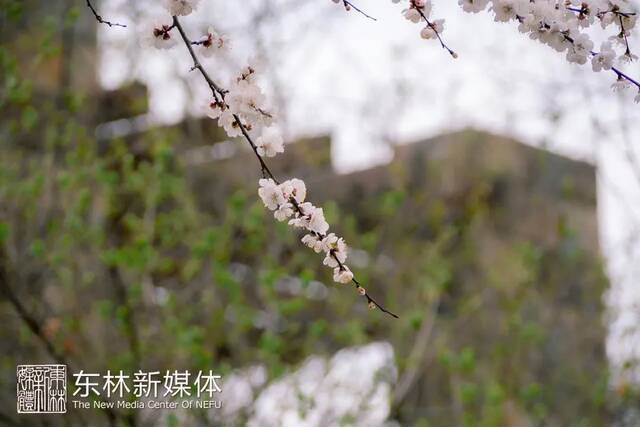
[(36, 329), (99, 18), (442, 43), (616, 70), (29, 320), (416, 360), (348, 6), (219, 94)]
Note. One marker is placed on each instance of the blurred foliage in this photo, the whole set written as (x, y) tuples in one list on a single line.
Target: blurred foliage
[(108, 247)]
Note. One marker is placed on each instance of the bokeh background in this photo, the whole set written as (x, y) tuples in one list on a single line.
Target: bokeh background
[(491, 201)]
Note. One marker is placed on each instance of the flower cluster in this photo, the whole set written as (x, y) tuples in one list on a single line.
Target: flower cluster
[(287, 202), (561, 24), (243, 107), (241, 110)]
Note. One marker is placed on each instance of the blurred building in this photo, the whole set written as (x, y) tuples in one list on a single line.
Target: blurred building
[(537, 191)]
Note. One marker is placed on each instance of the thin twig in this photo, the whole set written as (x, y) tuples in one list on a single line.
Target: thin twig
[(348, 5), (442, 43), (99, 18), (624, 35)]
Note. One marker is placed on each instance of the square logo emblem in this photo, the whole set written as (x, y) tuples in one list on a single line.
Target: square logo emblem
[(42, 389)]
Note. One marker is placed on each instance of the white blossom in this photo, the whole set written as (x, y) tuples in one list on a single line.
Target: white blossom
[(156, 32), (336, 255), (214, 109), (313, 241), (283, 212), (628, 57), (603, 60), (295, 188), (329, 242), (302, 221), (244, 97), (580, 49), (270, 142), (229, 123), (299, 222), (181, 7), (431, 31), (244, 103), (251, 70), (271, 194), (342, 275), (317, 222), (214, 44), (506, 10), (412, 15), (473, 6), (620, 85)]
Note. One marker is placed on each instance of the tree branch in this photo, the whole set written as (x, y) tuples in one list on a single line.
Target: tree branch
[(100, 19), (348, 6), (219, 94), (34, 326)]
